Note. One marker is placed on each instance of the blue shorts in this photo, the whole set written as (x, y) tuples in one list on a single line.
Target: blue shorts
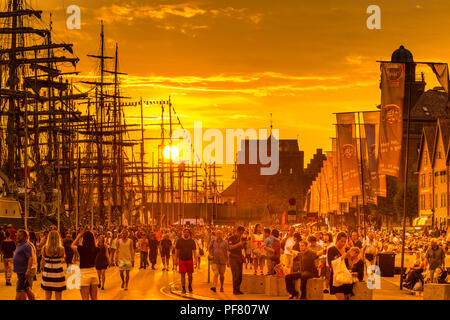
[(22, 282)]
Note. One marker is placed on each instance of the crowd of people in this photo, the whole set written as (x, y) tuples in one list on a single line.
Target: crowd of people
[(339, 256)]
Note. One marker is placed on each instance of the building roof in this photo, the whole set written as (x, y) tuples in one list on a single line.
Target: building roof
[(432, 104), (230, 191), (444, 125), (442, 130), (428, 137)]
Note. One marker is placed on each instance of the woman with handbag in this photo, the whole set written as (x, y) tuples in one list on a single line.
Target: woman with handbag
[(335, 257), (256, 245)]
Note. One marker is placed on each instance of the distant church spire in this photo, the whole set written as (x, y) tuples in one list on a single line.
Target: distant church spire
[(271, 124)]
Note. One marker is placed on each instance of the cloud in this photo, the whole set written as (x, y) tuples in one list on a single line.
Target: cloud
[(127, 12), (257, 84)]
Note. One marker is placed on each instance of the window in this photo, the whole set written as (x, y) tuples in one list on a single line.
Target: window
[(430, 200), (422, 202), (430, 179), (440, 153), (290, 171), (425, 157), (422, 180), (443, 200), (436, 204)]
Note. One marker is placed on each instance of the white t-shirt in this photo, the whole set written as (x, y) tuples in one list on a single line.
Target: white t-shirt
[(288, 246)]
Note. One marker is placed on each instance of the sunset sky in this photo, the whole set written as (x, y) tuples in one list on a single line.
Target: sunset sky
[(231, 63)]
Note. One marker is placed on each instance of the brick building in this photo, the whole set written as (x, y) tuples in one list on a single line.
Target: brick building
[(271, 193)]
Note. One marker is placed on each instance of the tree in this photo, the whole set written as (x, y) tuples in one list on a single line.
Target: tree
[(412, 200)]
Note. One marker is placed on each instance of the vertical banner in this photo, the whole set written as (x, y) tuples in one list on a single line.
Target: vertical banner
[(371, 121), (441, 72), (371, 131), (324, 208), (341, 198), (348, 154), (331, 181), (314, 207), (391, 117)]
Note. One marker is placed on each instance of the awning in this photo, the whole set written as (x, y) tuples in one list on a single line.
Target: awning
[(423, 221)]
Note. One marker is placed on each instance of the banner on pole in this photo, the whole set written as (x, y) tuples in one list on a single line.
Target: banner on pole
[(391, 117), (441, 72), (348, 154)]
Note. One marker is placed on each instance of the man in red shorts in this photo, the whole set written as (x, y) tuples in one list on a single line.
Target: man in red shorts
[(185, 253)]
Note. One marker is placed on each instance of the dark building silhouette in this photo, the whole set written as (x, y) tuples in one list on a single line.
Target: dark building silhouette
[(271, 193)]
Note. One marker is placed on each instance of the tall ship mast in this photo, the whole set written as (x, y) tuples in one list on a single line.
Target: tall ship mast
[(38, 116), (108, 171)]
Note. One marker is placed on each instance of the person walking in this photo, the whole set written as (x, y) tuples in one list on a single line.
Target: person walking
[(67, 242), (273, 247), (88, 253), (166, 247), (236, 245), (113, 248), (23, 263), (199, 251), (102, 261), (257, 240), (8, 248), (186, 254), (125, 258), (218, 254), (178, 236), (153, 245), (53, 279), (370, 248), (143, 250), (435, 258)]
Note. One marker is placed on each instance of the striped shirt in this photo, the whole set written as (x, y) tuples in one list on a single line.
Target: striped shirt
[(53, 278)]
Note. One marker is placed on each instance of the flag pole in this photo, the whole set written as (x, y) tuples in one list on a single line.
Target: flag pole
[(405, 180)]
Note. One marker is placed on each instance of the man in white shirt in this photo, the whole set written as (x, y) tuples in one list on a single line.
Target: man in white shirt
[(289, 243)]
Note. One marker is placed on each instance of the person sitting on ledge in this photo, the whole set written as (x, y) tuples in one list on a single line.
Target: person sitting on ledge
[(307, 269)]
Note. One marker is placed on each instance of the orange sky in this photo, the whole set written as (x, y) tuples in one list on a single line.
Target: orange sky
[(231, 63)]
